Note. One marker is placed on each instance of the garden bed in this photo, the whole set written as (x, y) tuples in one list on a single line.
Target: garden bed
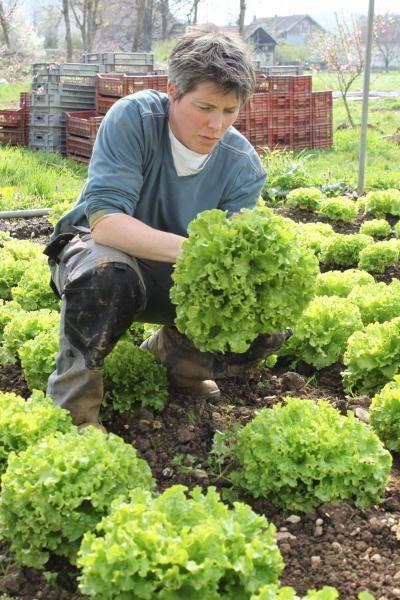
[(338, 544)]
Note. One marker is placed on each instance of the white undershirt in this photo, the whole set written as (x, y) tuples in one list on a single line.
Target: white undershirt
[(186, 161)]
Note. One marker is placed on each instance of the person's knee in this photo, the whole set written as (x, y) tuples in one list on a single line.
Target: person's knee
[(100, 306)]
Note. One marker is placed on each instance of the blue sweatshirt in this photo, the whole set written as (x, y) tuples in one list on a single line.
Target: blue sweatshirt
[(132, 171)]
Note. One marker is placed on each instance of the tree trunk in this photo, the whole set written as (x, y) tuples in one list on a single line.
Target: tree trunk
[(148, 25), (242, 15), (68, 37), (346, 105), (195, 10), (139, 24), (5, 27)]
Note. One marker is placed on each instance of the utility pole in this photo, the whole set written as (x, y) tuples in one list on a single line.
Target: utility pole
[(364, 120)]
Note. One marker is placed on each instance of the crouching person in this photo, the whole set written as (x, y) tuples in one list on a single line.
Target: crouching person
[(158, 160)]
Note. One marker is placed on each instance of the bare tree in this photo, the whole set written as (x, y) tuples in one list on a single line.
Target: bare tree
[(193, 11), (7, 10), (387, 37), (67, 22), (242, 15), (342, 52), (87, 14)]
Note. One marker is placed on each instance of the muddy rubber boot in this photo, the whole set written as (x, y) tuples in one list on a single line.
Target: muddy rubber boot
[(189, 370)]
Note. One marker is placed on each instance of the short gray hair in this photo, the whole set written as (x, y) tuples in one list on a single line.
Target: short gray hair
[(211, 56)]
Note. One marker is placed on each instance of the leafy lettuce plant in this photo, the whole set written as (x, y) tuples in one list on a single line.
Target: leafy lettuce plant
[(24, 422), (377, 302), (344, 250), (25, 326), (305, 198), (339, 208), (315, 235), (396, 229), (320, 335), (7, 311), (383, 202), (275, 592), (304, 453), (133, 377), (377, 257), (377, 228), (15, 257), (179, 546), (61, 487), (385, 414), (372, 357), (341, 283), (33, 290), (38, 357), (241, 276)]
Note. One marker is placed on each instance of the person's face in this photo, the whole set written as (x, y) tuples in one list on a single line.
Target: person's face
[(201, 117)]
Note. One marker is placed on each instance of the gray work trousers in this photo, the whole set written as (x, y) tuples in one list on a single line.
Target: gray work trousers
[(103, 290)]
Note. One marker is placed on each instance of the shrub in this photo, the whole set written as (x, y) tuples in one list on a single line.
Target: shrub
[(377, 257), (241, 276), (61, 487), (25, 326), (322, 331), (344, 250), (305, 453), (377, 302), (372, 356), (175, 546), (377, 228), (33, 290), (339, 208), (383, 202), (38, 357), (385, 414), (133, 376), (305, 198), (24, 422), (341, 283)]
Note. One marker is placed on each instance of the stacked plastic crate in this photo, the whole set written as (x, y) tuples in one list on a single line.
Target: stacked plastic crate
[(82, 128), (285, 113), (55, 90), (322, 119), (121, 62), (14, 124), (111, 86)]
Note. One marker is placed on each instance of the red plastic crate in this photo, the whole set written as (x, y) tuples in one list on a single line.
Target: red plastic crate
[(12, 118), (110, 84), (136, 83), (256, 136), (15, 136), (302, 101), (302, 118), (281, 137), (322, 107), (280, 83), (104, 103), (262, 83), (302, 137), (84, 124), (302, 83), (80, 146), (279, 101), (322, 136), (78, 158)]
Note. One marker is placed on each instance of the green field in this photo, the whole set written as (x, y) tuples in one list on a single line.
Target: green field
[(380, 81)]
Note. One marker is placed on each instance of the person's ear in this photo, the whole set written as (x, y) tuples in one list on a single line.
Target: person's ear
[(171, 91)]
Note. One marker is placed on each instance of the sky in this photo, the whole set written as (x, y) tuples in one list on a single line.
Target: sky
[(225, 12)]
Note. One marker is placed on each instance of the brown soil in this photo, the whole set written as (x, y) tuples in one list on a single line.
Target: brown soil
[(338, 544)]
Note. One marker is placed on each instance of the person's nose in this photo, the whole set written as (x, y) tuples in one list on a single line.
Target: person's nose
[(215, 121)]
